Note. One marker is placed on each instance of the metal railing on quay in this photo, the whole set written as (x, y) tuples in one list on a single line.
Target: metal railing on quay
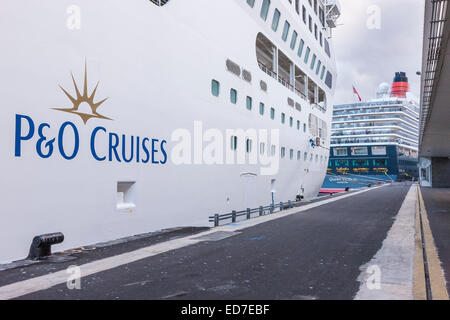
[(234, 216)]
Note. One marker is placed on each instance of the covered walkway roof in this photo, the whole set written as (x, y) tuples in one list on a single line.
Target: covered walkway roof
[(435, 93)]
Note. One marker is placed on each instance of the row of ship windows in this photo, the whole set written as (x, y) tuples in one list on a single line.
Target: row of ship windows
[(215, 90), (276, 20), (402, 118), (367, 104), (359, 151), (401, 133), (359, 163), (383, 124), (319, 11), (374, 140), (265, 9), (272, 150)]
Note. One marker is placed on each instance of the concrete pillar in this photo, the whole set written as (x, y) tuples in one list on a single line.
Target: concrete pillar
[(440, 177)]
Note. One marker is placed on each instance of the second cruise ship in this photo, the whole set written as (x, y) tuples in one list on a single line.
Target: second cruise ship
[(374, 141)]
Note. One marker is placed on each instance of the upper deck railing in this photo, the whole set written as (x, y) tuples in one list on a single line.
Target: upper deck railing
[(375, 111), (281, 80)]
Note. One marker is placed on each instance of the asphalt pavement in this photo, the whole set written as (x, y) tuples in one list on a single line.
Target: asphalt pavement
[(314, 254), (437, 204)]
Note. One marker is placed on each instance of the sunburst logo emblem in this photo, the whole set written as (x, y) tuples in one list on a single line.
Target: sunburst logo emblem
[(83, 98)]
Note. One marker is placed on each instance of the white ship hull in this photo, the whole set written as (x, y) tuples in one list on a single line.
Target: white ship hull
[(155, 64)]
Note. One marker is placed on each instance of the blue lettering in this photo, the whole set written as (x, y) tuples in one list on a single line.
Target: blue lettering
[(45, 145), (147, 153), (94, 154), (124, 151), (42, 138), (137, 149), (163, 152), (113, 147), (154, 151), (19, 138), (61, 139)]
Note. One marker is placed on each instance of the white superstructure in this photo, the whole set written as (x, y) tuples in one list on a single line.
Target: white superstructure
[(99, 169), (382, 121)]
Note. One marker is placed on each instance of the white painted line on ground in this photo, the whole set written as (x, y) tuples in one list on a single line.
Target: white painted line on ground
[(25, 287), (389, 275)]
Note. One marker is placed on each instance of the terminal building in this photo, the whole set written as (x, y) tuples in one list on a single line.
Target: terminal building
[(434, 143), (375, 140)]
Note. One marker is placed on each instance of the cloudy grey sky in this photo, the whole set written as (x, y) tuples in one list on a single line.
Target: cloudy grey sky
[(366, 57)]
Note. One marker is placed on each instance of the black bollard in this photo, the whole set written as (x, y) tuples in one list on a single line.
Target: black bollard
[(41, 245)]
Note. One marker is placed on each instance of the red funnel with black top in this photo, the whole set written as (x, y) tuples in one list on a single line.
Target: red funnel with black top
[(400, 86)]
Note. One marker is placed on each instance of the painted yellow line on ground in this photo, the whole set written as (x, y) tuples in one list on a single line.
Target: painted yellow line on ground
[(436, 274), (32, 285)]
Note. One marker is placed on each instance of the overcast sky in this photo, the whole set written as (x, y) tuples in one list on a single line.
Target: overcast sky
[(366, 57)]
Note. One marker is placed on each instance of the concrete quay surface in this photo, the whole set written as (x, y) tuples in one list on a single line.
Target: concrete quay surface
[(361, 245)]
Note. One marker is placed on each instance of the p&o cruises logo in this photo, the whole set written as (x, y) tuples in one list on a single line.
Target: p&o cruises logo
[(83, 99), (104, 145)]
